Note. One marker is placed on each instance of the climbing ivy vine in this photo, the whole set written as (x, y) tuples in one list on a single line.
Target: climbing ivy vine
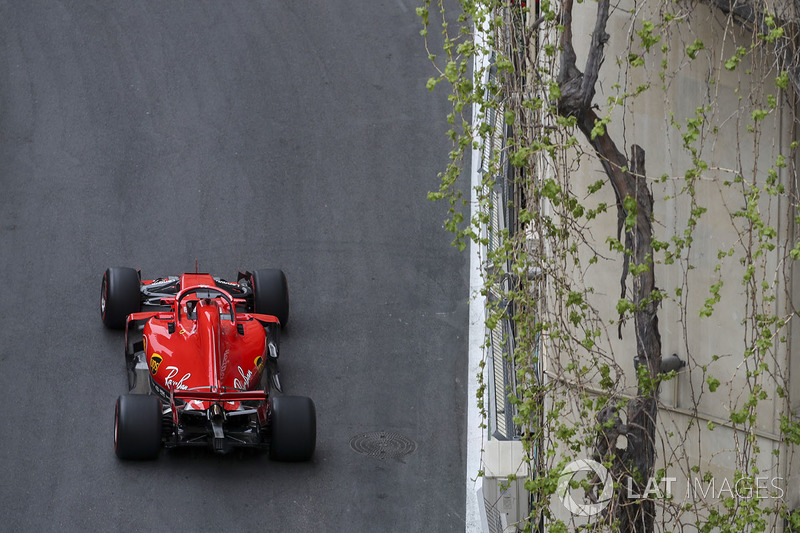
[(652, 150)]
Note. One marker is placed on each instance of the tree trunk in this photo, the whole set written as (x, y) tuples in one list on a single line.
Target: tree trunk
[(637, 459)]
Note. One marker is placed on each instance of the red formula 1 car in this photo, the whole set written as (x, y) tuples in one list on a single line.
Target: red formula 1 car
[(201, 354)]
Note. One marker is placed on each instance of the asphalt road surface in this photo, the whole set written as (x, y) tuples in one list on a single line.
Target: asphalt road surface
[(242, 135)]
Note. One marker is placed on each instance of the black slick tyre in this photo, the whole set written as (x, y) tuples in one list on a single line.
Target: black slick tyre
[(293, 429), (120, 296), (137, 426), (271, 293)]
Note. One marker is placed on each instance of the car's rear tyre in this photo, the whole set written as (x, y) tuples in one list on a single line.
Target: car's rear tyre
[(137, 426), (120, 296), (293, 428), (271, 293)]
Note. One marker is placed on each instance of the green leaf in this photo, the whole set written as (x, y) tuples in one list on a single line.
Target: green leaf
[(731, 63), (739, 417), (599, 128), (782, 81), (629, 204), (646, 34), (692, 49)]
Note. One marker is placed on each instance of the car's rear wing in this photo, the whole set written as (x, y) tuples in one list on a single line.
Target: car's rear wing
[(219, 396), (216, 396)]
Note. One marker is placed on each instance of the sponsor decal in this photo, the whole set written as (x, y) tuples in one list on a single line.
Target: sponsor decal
[(160, 391), (223, 366), (169, 382), (259, 363), (155, 361), (245, 379)]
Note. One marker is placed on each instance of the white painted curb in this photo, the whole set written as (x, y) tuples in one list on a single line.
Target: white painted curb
[(474, 485)]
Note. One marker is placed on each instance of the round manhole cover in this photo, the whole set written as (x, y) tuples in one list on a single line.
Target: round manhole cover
[(383, 445)]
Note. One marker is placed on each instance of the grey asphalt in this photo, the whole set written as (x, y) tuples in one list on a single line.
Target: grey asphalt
[(242, 135)]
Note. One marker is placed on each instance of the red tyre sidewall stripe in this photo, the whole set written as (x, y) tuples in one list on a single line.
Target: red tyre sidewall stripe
[(116, 426), (105, 294)]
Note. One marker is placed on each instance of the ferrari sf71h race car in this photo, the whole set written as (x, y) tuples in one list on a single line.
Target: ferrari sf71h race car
[(201, 354)]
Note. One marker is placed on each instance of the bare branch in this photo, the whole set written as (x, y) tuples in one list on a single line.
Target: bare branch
[(595, 59)]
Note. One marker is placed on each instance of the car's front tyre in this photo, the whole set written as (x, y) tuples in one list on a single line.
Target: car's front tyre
[(120, 296), (271, 293)]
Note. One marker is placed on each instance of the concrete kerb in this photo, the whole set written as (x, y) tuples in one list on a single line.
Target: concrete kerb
[(475, 435)]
